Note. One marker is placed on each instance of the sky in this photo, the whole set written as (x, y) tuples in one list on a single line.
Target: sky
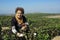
[(30, 6)]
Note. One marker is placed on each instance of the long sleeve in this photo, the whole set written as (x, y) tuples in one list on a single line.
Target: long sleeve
[(13, 26), (26, 22), (14, 30)]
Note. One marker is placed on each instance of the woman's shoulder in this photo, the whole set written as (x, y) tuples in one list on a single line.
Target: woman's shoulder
[(13, 19), (24, 17)]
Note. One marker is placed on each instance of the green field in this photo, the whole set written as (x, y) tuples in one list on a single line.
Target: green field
[(47, 28)]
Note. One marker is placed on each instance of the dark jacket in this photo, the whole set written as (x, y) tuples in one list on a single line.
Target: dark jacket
[(14, 23)]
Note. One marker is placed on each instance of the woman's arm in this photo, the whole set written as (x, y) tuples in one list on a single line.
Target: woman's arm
[(13, 26), (14, 30)]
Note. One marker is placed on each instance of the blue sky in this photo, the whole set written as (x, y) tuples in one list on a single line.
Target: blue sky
[(30, 6)]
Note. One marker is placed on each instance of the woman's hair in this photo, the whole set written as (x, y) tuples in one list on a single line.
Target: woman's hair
[(19, 8)]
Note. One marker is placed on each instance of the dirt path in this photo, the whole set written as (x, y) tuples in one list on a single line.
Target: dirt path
[(53, 16), (56, 38)]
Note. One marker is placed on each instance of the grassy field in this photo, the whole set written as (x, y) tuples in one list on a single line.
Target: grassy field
[(46, 25)]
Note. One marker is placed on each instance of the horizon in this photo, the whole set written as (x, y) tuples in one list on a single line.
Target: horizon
[(28, 13)]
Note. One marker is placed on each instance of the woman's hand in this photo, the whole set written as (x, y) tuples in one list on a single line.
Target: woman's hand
[(20, 34), (23, 24), (24, 27)]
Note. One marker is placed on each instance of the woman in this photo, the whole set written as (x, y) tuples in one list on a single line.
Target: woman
[(19, 23)]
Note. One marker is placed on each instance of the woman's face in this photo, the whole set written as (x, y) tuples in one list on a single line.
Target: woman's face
[(19, 14)]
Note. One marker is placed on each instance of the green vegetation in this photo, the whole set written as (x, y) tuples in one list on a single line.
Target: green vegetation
[(47, 28)]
